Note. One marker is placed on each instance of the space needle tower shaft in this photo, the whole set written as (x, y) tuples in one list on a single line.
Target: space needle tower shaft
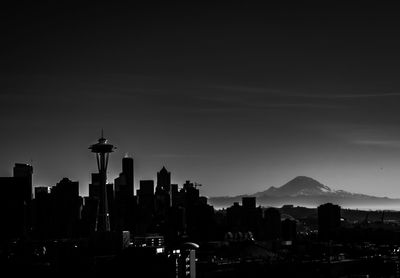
[(102, 149)]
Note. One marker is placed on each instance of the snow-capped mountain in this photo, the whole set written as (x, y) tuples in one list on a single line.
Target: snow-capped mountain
[(305, 191), (300, 185)]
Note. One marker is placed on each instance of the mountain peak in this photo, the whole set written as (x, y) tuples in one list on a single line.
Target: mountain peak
[(300, 185), (303, 178)]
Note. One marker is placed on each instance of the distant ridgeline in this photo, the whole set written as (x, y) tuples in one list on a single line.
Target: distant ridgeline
[(305, 191)]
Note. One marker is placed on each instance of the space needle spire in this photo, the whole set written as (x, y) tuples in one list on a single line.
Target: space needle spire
[(102, 149)]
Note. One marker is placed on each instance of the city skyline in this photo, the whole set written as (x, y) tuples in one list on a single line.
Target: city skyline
[(152, 175), (238, 98), (299, 184)]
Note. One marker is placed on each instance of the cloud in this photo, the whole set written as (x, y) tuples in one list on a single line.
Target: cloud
[(322, 95), (196, 96), (224, 98), (176, 155), (379, 143), (369, 134), (351, 96)]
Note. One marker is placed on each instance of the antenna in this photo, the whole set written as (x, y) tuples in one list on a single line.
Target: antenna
[(102, 133)]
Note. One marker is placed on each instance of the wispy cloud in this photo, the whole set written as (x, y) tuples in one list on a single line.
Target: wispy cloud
[(349, 96), (373, 135), (247, 89), (167, 94), (323, 94), (224, 98), (379, 143), (176, 155)]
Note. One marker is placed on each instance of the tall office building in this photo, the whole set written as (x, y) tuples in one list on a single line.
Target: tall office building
[(23, 177), (15, 202), (125, 202), (272, 224), (328, 220), (43, 212), (146, 194), (67, 206), (163, 195), (164, 180), (192, 194), (124, 182), (128, 172), (94, 186), (252, 216), (175, 200), (146, 207)]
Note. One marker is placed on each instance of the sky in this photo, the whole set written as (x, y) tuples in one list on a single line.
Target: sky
[(237, 97)]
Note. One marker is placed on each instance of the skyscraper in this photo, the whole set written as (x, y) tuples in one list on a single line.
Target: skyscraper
[(67, 205), (328, 220), (125, 201), (43, 212), (164, 180), (94, 186), (146, 194), (16, 201), (124, 182), (272, 224), (128, 171), (23, 177), (146, 207)]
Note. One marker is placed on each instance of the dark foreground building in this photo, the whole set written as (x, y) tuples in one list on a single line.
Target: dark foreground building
[(328, 221), (15, 202)]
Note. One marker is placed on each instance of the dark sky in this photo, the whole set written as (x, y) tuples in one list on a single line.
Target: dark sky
[(237, 97)]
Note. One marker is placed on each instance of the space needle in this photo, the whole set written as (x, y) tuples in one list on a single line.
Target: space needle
[(102, 150)]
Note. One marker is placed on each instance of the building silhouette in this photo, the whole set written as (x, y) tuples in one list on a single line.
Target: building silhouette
[(289, 230), (146, 194), (43, 212), (15, 202), (66, 208), (146, 207), (328, 221), (251, 216), (23, 177), (199, 215), (89, 215), (94, 186), (249, 203), (234, 217), (128, 171), (162, 196), (175, 197), (124, 202), (272, 224), (164, 180), (245, 218), (124, 182)]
